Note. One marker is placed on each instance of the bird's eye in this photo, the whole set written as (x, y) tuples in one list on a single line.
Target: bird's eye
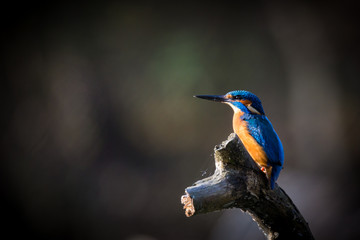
[(237, 97)]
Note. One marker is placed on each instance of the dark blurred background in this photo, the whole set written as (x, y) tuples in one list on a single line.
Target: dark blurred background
[(100, 133)]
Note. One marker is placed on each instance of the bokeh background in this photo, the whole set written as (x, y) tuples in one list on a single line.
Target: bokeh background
[(100, 133)]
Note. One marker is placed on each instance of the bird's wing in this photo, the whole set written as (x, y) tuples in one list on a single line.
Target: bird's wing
[(261, 129)]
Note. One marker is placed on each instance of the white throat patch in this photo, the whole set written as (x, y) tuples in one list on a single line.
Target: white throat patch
[(251, 109)]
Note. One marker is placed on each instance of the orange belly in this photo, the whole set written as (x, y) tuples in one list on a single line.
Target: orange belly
[(254, 149)]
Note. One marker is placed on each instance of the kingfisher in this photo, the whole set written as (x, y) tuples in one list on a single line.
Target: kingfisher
[(254, 130)]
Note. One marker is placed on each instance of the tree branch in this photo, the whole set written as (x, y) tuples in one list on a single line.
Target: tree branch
[(238, 182)]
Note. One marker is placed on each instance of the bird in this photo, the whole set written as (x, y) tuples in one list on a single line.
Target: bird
[(254, 130)]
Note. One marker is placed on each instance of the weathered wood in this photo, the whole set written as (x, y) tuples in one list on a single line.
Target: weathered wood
[(238, 182)]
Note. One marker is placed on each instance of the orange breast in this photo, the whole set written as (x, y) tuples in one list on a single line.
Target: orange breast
[(254, 149)]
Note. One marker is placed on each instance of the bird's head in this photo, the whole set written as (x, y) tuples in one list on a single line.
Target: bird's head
[(239, 100)]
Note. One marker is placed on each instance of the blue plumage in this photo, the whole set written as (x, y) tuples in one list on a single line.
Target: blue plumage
[(255, 131), (256, 103), (261, 129)]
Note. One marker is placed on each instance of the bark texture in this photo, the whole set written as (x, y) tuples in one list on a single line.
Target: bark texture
[(238, 182)]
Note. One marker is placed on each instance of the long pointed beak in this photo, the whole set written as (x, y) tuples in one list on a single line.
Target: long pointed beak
[(216, 98)]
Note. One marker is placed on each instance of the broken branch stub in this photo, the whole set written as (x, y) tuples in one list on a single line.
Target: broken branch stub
[(238, 182)]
